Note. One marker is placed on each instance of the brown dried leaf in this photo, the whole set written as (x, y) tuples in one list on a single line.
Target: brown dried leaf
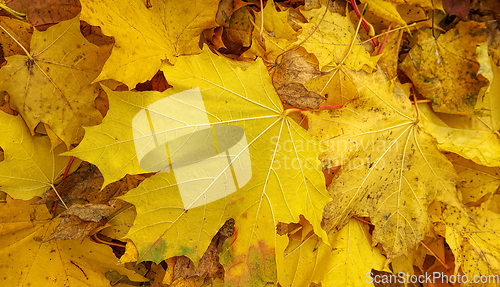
[(43, 12), (85, 184), (73, 227), (289, 78)]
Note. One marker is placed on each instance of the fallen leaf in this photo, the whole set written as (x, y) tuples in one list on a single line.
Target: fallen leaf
[(473, 241), (330, 48), (460, 8), (91, 212), (26, 258), (278, 34), (30, 167), (19, 30), (72, 227), (224, 12), (238, 36), (467, 136), (446, 70), (47, 11), (389, 59), (147, 36), (477, 183), (274, 161), (308, 259), (40, 88), (392, 170), (336, 87), (386, 10), (289, 78), (86, 184)]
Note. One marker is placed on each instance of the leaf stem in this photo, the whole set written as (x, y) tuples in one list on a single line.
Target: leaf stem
[(385, 39), (18, 15), (363, 21), (435, 255), (362, 220), (261, 34), (353, 38), (64, 176), (68, 167), (15, 40)]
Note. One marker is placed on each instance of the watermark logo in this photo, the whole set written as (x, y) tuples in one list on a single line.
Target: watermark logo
[(210, 161), (430, 278)]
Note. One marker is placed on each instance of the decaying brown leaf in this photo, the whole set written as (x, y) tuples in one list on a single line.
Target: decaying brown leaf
[(289, 78)]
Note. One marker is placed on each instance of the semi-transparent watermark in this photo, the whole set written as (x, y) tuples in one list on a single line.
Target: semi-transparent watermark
[(209, 160), (430, 278)]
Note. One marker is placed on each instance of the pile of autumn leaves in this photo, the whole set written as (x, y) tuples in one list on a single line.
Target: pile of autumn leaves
[(424, 175)]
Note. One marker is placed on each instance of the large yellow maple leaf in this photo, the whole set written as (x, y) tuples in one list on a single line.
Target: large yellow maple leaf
[(53, 83), (224, 148), (392, 169), (146, 36)]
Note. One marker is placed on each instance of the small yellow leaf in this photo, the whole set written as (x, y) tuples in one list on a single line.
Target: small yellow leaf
[(386, 10), (332, 47), (467, 136), (348, 260), (278, 34), (30, 167), (477, 183)]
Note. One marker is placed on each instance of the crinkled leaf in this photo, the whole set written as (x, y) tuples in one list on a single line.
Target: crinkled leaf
[(446, 70), (391, 171)]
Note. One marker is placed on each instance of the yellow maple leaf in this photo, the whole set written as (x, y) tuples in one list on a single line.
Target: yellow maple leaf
[(29, 261), (473, 239), (20, 30), (464, 135), (474, 137), (331, 48), (52, 83), (446, 70), (278, 34), (386, 10), (347, 261), (391, 169), (477, 183), (146, 36), (30, 167), (225, 148)]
